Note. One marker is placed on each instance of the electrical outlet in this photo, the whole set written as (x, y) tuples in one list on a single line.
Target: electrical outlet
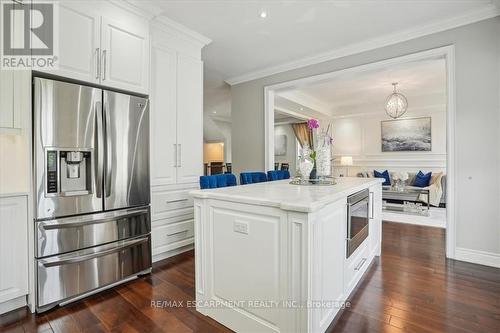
[(240, 227)]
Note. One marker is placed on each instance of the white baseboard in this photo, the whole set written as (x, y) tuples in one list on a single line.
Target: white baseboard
[(168, 254), (13, 304), (478, 257)]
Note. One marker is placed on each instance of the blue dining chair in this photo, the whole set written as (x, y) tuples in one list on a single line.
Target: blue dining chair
[(278, 175), (216, 181), (252, 177)]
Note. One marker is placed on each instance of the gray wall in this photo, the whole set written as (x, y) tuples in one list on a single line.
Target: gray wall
[(477, 48)]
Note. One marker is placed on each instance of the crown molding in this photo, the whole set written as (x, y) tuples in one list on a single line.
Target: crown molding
[(134, 8), (484, 13), (156, 15), (172, 25)]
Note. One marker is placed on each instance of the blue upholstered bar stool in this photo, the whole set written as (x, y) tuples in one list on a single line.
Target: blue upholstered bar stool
[(216, 181), (252, 177), (278, 175)]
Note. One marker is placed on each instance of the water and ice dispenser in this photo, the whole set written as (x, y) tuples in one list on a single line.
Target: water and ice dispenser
[(69, 172)]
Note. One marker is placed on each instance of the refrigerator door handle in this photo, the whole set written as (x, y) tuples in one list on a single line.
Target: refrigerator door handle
[(107, 178), (99, 145)]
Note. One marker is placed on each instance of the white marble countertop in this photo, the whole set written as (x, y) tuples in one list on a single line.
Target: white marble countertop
[(282, 194)]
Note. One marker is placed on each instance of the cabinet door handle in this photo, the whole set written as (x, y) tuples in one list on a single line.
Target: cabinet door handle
[(98, 63), (177, 233), (180, 155), (104, 53), (178, 200), (361, 263), (175, 155)]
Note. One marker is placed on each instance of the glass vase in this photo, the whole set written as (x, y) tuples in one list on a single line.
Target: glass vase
[(324, 161), (306, 163)]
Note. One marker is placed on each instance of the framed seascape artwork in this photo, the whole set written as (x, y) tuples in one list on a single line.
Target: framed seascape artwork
[(280, 145), (412, 134)]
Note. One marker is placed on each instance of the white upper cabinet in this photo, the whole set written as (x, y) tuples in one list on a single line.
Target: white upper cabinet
[(176, 108), (125, 55), (163, 116), (176, 117), (189, 119), (103, 44), (79, 43)]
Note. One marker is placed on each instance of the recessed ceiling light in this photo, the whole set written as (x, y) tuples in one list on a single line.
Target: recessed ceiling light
[(214, 112), (263, 14), (301, 109)]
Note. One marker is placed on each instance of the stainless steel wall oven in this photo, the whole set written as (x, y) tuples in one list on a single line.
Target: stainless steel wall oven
[(358, 217)]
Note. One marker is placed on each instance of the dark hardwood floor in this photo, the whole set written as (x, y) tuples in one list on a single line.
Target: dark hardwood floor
[(411, 288)]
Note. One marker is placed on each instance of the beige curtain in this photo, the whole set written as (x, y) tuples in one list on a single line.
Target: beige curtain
[(303, 134)]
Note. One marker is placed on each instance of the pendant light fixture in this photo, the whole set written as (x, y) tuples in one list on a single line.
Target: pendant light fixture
[(396, 104)]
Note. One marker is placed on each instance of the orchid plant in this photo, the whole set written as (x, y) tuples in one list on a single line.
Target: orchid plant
[(322, 138)]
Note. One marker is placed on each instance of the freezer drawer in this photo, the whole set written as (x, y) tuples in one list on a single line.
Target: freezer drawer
[(69, 275), (75, 233)]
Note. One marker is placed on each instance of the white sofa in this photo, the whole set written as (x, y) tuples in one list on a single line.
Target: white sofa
[(409, 183)]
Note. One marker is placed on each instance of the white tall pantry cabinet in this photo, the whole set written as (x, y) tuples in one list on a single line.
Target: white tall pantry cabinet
[(104, 44), (176, 136)]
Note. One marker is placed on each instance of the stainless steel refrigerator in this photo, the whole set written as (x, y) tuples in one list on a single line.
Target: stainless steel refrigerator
[(92, 190)]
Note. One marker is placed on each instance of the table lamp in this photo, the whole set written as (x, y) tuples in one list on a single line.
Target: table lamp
[(346, 161)]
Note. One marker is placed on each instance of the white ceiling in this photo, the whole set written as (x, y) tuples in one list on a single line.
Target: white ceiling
[(243, 42), (422, 82)]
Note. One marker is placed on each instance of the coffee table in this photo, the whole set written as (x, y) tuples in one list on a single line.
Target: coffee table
[(408, 193)]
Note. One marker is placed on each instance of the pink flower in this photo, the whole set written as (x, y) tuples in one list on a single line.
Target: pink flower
[(313, 123)]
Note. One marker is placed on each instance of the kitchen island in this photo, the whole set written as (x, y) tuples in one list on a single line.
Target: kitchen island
[(275, 257)]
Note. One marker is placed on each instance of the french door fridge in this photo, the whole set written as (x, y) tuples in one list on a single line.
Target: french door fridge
[(92, 190)]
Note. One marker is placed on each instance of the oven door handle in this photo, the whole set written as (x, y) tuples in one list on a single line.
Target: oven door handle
[(348, 238), (370, 216)]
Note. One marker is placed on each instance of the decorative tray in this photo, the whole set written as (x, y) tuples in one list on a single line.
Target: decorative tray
[(312, 182)]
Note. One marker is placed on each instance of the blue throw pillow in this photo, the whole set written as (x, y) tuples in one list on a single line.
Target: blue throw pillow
[(422, 180), (384, 175)]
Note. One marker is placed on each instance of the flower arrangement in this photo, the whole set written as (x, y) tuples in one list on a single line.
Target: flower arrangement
[(313, 123), (320, 152), (403, 176), (399, 179)]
